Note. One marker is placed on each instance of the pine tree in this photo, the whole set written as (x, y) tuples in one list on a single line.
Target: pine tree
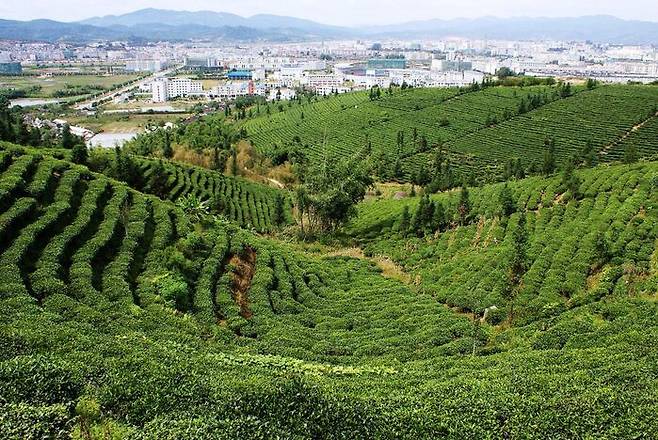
[(519, 172), (588, 155), (404, 222), (167, 151), (68, 140), (439, 218), (419, 219), (464, 207), (428, 215), (549, 157), (279, 210), (79, 153), (570, 182), (519, 258), (518, 264), (506, 201)]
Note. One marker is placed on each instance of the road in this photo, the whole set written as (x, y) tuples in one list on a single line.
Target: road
[(88, 104)]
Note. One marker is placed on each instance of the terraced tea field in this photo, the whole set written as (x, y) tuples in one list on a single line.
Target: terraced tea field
[(123, 316), (482, 129), (467, 267), (246, 203)]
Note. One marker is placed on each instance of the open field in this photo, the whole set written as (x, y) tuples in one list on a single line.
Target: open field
[(116, 123), (48, 86)]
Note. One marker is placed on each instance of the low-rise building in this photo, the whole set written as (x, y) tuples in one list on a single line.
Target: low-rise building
[(146, 65)]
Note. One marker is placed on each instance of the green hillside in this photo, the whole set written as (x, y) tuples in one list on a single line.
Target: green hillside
[(248, 204), (580, 248), (482, 129), (125, 315)]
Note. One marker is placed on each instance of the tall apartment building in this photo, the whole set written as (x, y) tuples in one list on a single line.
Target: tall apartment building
[(165, 89)]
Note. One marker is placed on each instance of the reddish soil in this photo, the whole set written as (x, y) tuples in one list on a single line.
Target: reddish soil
[(245, 267)]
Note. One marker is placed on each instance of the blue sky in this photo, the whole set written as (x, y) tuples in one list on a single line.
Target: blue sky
[(339, 12)]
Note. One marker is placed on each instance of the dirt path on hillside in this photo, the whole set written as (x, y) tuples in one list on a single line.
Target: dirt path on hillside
[(394, 271), (389, 268), (604, 151)]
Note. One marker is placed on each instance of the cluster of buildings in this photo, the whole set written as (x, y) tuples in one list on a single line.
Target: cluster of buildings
[(277, 71)]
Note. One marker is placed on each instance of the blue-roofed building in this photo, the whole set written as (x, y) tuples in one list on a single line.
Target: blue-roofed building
[(387, 63), (239, 75), (11, 68)]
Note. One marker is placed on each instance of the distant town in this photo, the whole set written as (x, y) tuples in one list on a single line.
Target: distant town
[(108, 92), (276, 72)]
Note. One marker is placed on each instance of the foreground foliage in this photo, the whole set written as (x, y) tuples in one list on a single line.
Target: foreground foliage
[(119, 317)]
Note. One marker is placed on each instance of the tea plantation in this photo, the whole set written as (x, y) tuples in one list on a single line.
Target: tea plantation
[(146, 299), (482, 129)]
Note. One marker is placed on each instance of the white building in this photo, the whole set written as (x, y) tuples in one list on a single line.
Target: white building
[(146, 65), (328, 90), (323, 81), (165, 89), (281, 95), (159, 91)]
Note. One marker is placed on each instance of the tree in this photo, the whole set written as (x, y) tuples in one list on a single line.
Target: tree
[(404, 222), (157, 183), (504, 72), (423, 146), (68, 140), (428, 215), (124, 168), (506, 201), (601, 247), (519, 257), (548, 166), (570, 182), (234, 162), (419, 219), (464, 207), (439, 219), (519, 172), (79, 153), (519, 261), (279, 210), (630, 153), (167, 151), (422, 176), (303, 202), (335, 186), (588, 155)]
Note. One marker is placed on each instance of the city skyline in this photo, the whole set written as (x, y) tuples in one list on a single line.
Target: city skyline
[(365, 12)]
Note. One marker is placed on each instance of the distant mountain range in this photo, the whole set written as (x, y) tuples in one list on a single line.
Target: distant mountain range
[(158, 24)]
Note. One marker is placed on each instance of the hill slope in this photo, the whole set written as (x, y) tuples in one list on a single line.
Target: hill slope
[(481, 129), (120, 317)]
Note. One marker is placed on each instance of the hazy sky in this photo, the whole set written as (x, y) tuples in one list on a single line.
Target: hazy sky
[(340, 12)]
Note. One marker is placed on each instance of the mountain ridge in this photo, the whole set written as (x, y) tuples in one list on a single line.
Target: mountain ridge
[(157, 24)]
